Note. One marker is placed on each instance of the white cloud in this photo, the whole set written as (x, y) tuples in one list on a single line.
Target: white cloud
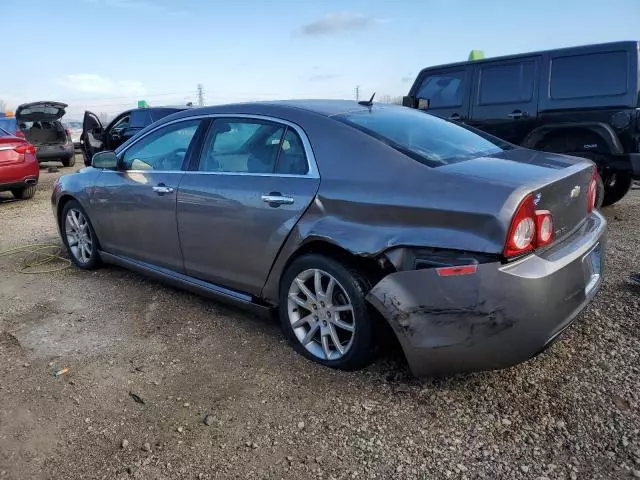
[(92, 83), (339, 22)]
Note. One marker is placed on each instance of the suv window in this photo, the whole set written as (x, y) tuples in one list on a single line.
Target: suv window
[(164, 149), (242, 146), (121, 124), (443, 89), (506, 83), (139, 119), (589, 75), (423, 137)]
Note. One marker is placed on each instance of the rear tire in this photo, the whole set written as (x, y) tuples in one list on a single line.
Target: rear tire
[(615, 186), (24, 193), (69, 162), (337, 317)]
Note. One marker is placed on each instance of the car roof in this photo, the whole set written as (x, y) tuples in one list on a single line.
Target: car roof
[(627, 44), (326, 108)]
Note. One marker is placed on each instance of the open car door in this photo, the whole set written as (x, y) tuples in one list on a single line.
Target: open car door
[(92, 138)]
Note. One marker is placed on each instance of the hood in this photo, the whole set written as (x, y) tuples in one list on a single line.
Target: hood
[(40, 111)]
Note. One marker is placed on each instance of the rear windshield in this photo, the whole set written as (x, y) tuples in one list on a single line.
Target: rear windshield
[(4, 133), (426, 138)]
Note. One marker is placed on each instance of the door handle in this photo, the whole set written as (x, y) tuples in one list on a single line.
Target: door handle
[(456, 117), (517, 114), (162, 189), (276, 199)]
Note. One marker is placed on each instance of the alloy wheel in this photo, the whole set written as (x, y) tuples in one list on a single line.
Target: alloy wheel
[(321, 314), (78, 235)]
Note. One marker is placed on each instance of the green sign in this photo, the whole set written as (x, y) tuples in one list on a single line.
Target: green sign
[(476, 55), (143, 104)]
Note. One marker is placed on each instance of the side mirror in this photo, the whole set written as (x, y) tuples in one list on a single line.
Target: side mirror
[(409, 101), (106, 159)]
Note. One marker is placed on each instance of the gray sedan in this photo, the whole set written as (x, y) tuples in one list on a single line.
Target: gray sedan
[(350, 218)]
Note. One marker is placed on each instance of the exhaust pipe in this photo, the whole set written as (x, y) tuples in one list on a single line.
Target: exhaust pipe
[(30, 181)]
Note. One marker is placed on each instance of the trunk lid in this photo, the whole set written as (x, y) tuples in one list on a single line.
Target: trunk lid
[(558, 183), (8, 156), (40, 111)]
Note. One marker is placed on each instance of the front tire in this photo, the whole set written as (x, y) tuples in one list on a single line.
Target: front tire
[(79, 237), (24, 193), (324, 313)]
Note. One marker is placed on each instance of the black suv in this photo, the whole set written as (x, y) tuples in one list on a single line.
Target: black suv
[(582, 101), (96, 138)]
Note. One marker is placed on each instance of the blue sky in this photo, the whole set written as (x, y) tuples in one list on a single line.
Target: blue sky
[(105, 54)]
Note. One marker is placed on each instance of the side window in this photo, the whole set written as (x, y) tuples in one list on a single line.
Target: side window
[(164, 149), (591, 75), (241, 146), (506, 83), (443, 89), (121, 124), (292, 159)]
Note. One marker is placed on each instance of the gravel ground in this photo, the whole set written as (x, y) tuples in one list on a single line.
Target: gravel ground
[(226, 397)]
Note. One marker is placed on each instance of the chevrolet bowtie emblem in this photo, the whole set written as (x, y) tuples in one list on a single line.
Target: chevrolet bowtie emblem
[(575, 192)]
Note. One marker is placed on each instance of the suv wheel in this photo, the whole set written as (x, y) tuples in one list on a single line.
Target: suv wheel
[(324, 312), (69, 162), (616, 186)]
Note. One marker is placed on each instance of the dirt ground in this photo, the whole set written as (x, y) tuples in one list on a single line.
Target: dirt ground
[(570, 413)]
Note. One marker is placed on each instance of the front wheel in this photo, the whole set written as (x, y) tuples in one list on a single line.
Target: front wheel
[(324, 314), (79, 237)]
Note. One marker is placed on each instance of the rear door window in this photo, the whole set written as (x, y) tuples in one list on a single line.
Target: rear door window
[(443, 89), (590, 75), (506, 83)]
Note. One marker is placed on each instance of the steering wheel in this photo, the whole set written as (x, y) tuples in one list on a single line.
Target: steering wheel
[(173, 160)]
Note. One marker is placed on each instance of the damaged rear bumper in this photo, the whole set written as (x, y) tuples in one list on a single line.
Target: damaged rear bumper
[(499, 316)]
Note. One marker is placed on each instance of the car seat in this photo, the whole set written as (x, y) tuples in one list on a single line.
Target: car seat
[(263, 159)]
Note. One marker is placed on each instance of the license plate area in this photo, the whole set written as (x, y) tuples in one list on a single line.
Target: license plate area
[(592, 263)]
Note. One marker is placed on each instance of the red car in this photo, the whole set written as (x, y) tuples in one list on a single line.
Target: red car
[(19, 168)]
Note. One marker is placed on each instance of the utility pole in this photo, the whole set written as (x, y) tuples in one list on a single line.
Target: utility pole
[(200, 95), (357, 93)]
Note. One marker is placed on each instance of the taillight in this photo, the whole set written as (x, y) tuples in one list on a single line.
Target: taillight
[(530, 229), (544, 227), (25, 149), (591, 193), (19, 133)]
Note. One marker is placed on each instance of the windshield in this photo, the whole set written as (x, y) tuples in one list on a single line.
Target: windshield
[(426, 138)]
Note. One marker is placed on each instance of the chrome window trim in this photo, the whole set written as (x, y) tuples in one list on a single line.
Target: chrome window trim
[(311, 159)]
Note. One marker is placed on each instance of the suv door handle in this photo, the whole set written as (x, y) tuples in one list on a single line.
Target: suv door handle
[(275, 199), (161, 189), (517, 114)]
